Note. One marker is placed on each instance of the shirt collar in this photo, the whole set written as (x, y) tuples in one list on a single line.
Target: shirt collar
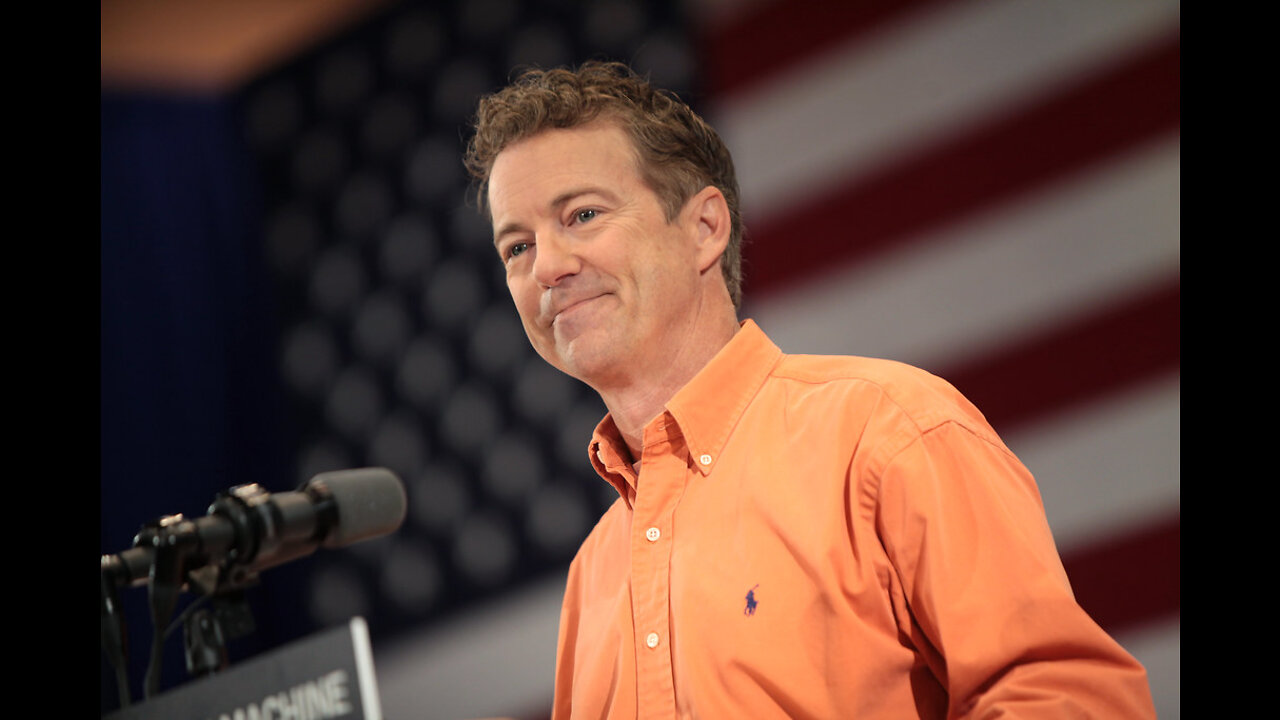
[(706, 409)]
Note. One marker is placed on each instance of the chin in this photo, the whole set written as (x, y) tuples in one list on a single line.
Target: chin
[(587, 361)]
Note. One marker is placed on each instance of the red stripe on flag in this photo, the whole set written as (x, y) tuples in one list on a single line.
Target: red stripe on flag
[(1130, 579), (770, 37), (1075, 362), (1125, 105)]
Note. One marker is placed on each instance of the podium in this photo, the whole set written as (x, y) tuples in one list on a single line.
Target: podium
[(326, 675)]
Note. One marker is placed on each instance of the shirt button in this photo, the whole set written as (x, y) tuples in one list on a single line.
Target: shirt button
[(653, 534), (705, 459), (652, 640)]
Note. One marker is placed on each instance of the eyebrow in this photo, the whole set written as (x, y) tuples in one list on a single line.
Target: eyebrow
[(556, 204)]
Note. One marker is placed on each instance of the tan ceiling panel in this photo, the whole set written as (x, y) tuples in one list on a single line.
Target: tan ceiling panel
[(213, 45)]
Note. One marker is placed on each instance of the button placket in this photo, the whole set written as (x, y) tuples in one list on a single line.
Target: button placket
[(651, 548)]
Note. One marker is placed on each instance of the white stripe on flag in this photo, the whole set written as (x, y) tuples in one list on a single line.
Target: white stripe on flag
[(849, 112), (1016, 269)]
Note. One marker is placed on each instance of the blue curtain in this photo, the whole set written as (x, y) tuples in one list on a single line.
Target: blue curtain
[(189, 403)]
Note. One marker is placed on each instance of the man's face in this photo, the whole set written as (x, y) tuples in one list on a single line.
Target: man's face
[(604, 285)]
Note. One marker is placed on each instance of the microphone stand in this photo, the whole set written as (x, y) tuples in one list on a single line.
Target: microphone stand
[(206, 631), (115, 635), (173, 538), (163, 552)]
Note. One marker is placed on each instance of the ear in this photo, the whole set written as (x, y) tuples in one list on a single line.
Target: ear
[(709, 214)]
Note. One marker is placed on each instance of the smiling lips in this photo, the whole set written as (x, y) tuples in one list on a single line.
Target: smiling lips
[(557, 308)]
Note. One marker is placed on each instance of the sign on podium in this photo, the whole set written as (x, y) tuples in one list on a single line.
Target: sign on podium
[(326, 675)]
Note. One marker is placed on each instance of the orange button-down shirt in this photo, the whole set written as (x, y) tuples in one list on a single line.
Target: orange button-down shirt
[(826, 537)]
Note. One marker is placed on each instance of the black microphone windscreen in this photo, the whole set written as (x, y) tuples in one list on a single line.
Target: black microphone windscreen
[(370, 502)]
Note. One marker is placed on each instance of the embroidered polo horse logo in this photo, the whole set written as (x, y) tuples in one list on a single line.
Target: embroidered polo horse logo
[(750, 609)]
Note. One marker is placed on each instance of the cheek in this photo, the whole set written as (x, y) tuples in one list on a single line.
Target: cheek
[(525, 301), (666, 276)]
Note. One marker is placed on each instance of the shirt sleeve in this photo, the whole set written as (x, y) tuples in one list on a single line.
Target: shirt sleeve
[(963, 525)]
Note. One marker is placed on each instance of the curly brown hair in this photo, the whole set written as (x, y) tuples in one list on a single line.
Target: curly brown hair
[(679, 152)]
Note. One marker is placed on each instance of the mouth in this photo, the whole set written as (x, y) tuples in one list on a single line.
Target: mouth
[(571, 309)]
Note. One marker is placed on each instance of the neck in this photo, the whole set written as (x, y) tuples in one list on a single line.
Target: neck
[(635, 403)]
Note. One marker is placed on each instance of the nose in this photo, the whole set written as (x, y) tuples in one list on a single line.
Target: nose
[(554, 259)]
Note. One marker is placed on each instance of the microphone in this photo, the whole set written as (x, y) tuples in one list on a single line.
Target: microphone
[(249, 529)]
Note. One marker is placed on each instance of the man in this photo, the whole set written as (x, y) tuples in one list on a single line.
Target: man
[(795, 536)]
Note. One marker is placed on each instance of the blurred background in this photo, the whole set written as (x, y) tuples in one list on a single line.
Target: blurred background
[(294, 279)]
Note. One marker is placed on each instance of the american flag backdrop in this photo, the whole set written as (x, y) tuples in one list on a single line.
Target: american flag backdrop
[(988, 189)]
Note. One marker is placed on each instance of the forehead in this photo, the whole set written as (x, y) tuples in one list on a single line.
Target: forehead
[(545, 162)]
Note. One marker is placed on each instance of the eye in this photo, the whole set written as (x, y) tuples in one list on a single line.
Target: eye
[(583, 216), (512, 251)]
